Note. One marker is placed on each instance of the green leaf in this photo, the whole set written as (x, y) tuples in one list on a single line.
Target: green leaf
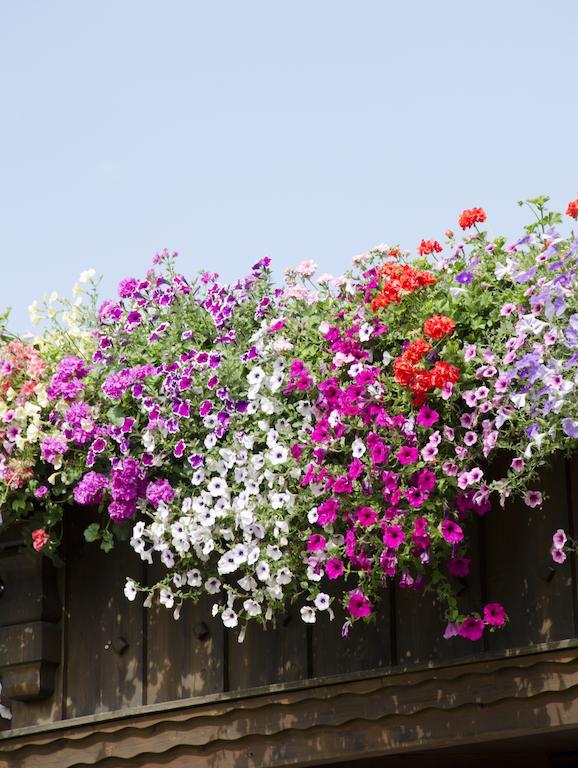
[(107, 541), (116, 415), (92, 533)]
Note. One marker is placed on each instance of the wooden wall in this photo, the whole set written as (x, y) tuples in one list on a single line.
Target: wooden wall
[(116, 655)]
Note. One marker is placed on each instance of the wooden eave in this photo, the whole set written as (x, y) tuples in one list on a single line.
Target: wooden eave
[(522, 694)]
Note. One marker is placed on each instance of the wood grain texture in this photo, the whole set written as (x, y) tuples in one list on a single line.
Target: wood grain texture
[(390, 714), (99, 676), (184, 658), (519, 570)]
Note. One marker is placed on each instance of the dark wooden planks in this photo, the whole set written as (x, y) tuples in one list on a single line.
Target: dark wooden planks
[(420, 621), (104, 664), (268, 656), (184, 656), (368, 645), (519, 570)]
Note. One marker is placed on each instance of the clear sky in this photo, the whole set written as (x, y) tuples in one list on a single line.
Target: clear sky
[(303, 129)]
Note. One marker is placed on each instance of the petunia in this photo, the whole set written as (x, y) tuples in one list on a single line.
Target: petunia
[(316, 542), (393, 536), (407, 455), (533, 498), (358, 605), (451, 531), (334, 568), (495, 615), (471, 628), (427, 417)]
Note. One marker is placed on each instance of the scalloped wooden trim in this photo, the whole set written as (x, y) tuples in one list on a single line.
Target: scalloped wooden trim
[(403, 712)]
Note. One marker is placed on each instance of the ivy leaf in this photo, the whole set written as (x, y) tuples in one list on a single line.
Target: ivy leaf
[(116, 415), (107, 541), (92, 533)]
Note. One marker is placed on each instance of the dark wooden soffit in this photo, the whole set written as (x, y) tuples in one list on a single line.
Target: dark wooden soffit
[(322, 721)]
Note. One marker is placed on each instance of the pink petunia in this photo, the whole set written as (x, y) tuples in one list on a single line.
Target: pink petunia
[(451, 532), (366, 516), (393, 536), (316, 542), (334, 568), (471, 628), (358, 604), (495, 615), (427, 417), (407, 455)]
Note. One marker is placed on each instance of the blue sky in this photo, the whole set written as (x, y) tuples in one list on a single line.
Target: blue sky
[(301, 130)]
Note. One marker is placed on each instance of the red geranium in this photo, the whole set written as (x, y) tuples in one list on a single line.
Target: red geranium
[(470, 217), (444, 373), (572, 209), (429, 246), (438, 325)]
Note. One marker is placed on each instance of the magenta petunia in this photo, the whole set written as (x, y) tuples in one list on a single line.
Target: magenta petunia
[(366, 516), (316, 542), (407, 455), (427, 417), (451, 532), (334, 568), (471, 628), (495, 615), (358, 604), (393, 536)]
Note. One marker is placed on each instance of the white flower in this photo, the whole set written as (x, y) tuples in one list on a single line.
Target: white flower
[(278, 455), (167, 558), (312, 515), (308, 614), (252, 607), (130, 590), (365, 332), (227, 563), (283, 576), (275, 383), (312, 574), (262, 571), (255, 376), (198, 476), (253, 555), (355, 369), (357, 448), (247, 583), (194, 578), (230, 618), (217, 487), (274, 552), (87, 275), (213, 585), (166, 598), (267, 406), (322, 601)]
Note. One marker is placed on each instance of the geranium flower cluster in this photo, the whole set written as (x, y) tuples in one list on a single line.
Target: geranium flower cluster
[(315, 442)]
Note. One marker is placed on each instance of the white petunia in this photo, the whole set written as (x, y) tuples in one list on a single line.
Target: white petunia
[(194, 578), (365, 332), (130, 590), (308, 614), (213, 585), (262, 570), (252, 607), (166, 598), (230, 618), (278, 455), (322, 601)]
